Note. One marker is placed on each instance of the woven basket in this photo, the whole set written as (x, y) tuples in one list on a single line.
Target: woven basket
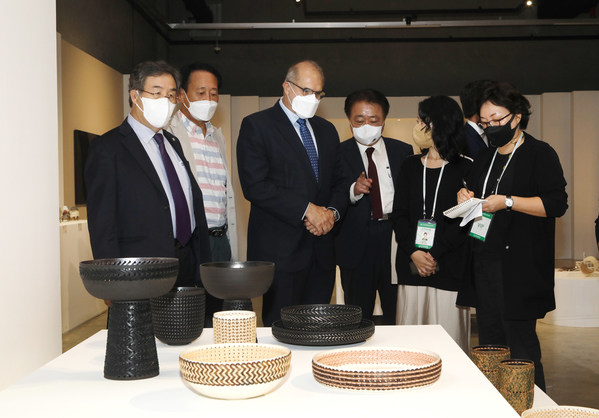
[(234, 327), (323, 338), (487, 359), (321, 317), (561, 412), (376, 368), (231, 366)]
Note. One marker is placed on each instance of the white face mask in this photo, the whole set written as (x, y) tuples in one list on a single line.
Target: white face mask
[(157, 111), (367, 134), (304, 106), (201, 109)]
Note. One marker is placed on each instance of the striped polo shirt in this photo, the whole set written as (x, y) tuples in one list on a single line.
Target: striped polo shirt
[(211, 172)]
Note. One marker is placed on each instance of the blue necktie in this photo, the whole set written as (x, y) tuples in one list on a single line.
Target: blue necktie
[(183, 224), (309, 145)]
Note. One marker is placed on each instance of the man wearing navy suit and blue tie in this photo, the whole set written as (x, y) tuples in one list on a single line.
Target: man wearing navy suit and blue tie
[(290, 171)]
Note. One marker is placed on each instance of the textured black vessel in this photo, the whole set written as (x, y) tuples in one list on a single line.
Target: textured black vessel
[(178, 316), (129, 283), (237, 281)]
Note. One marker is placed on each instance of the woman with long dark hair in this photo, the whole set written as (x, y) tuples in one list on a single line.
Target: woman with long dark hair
[(431, 254), (513, 243)]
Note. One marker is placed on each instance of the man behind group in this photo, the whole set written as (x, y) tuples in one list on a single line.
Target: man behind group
[(363, 245), (141, 197), (204, 147), (290, 172), (470, 99)]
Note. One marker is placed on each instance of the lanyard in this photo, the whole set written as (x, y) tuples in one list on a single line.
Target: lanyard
[(504, 167), (424, 188)]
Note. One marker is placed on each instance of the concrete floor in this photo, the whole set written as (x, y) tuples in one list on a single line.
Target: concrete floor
[(570, 359)]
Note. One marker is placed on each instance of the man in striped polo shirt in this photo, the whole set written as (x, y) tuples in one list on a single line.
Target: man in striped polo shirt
[(205, 149)]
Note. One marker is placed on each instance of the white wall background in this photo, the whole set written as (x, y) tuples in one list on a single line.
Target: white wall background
[(30, 333)]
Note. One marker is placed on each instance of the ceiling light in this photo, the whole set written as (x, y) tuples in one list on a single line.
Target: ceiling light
[(529, 3)]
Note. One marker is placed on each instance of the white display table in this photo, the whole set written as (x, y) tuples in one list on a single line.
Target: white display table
[(576, 297), (72, 385), (77, 304)]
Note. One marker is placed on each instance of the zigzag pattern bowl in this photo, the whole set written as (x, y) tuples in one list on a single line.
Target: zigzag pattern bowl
[(235, 371)]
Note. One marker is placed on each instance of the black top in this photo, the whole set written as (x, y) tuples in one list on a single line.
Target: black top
[(527, 245), (449, 247)]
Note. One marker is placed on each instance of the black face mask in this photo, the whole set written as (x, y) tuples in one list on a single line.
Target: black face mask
[(498, 136)]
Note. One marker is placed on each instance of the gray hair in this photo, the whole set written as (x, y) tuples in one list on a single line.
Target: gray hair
[(292, 72), (146, 69)]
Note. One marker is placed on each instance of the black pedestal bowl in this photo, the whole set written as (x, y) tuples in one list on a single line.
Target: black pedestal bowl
[(237, 282), (129, 283)]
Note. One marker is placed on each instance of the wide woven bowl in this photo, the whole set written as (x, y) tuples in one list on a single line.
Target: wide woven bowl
[(178, 316), (360, 333), (561, 412), (382, 368), (129, 278), (321, 317), (235, 371)]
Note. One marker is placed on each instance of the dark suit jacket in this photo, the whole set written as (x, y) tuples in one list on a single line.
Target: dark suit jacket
[(474, 142), (277, 179), (350, 243), (127, 207)]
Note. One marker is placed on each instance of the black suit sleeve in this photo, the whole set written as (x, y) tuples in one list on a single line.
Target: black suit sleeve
[(259, 179), (101, 184)]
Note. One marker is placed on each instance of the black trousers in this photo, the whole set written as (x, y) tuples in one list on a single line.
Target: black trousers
[(373, 273), (493, 328), (307, 286)]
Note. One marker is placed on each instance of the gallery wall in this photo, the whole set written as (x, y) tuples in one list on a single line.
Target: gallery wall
[(29, 243)]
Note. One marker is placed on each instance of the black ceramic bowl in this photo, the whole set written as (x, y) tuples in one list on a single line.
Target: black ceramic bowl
[(124, 279), (178, 316), (237, 279)]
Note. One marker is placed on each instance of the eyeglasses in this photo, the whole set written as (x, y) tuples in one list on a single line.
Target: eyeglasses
[(495, 122), (319, 94), (172, 96)]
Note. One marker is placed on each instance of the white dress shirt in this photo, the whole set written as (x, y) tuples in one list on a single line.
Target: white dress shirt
[(383, 169)]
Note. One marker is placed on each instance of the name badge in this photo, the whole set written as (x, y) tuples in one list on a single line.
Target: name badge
[(425, 234), (480, 227)]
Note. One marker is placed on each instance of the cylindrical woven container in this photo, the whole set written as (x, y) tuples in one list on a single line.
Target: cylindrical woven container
[(487, 359), (563, 411), (234, 327), (520, 401), (516, 375), (178, 316)]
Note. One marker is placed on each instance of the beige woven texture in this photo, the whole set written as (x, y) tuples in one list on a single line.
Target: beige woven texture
[(561, 412), (376, 369), (235, 364), (234, 327)]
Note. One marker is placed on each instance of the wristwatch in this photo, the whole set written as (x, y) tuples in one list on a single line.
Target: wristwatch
[(509, 202)]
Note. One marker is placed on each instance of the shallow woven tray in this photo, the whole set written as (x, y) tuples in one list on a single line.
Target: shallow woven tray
[(376, 368), (561, 412), (323, 338), (235, 364), (321, 317)]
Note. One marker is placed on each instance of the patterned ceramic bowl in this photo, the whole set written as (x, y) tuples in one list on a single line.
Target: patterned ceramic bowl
[(235, 371), (561, 412)]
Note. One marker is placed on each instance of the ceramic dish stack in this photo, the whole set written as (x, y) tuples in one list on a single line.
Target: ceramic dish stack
[(235, 371), (382, 368), (322, 325)]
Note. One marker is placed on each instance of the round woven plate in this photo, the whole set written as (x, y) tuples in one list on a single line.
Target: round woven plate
[(323, 338), (376, 368), (563, 411), (321, 317), (235, 371)]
